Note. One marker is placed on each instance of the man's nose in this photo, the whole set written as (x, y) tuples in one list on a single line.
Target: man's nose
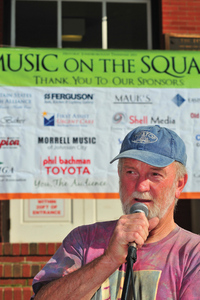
[(143, 184)]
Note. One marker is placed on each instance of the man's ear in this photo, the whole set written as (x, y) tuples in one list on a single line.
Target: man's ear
[(180, 185)]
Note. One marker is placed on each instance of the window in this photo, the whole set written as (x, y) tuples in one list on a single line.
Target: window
[(127, 25), (36, 23), (87, 17), (98, 24)]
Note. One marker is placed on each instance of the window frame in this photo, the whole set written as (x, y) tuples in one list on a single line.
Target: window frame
[(104, 20)]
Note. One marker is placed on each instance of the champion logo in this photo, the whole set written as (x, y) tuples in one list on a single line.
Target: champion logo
[(144, 137)]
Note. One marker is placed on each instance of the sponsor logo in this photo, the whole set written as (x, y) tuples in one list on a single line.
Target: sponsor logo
[(82, 120), (5, 171), (194, 116), (132, 99), (197, 137), (158, 120), (144, 137), (9, 142), (120, 141), (62, 166), (49, 119), (178, 100), (15, 100), (194, 100), (66, 140), (68, 98), (136, 120), (11, 121), (119, 118)]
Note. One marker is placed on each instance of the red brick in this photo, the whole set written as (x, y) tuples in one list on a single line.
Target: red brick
[(1, 293), (33, 249), (16, 249), (42, 249), (180, 16), (51, 248), (7, 293), (17, 294), (7, 249), (27, 293), (11, 259), (24, 249), (1, 248), (34, 270), (38, 258), (13, 282), (26, 270), (29, 282), (58, 245), (8, 270), (1, 270), (17, 270)]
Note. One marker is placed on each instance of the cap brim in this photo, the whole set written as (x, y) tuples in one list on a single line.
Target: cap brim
[(150, 158)]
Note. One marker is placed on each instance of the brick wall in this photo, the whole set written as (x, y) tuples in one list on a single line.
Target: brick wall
[(19, 263), (181, 17)]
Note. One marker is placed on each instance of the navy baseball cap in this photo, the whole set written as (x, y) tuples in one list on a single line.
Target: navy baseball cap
[(154, 145)]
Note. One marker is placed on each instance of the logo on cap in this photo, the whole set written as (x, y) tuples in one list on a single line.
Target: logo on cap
[(144, 137)]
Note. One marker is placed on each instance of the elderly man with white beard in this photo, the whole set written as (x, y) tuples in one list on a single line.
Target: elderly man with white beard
[(92, 260)]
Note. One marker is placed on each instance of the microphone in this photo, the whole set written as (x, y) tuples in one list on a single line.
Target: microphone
[(136, 208), (132, 254), (139, 207)]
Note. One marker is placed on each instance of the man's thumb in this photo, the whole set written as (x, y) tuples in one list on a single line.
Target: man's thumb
[(153, 223)]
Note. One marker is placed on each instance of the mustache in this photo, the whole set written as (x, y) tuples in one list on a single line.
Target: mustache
[(142, 196)]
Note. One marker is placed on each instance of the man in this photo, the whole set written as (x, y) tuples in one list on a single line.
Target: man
[(91, 263)]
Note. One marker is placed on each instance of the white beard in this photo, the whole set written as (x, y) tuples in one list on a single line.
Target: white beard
[(157, 210)]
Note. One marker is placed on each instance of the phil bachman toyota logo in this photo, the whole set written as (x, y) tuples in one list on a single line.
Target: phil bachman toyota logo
[(119, 118)]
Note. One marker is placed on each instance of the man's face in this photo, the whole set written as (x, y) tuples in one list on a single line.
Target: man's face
[(152, 186)]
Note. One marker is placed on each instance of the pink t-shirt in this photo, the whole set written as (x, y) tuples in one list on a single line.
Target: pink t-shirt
[(168, 269)]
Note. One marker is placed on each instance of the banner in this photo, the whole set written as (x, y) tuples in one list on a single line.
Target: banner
[(64, 114)]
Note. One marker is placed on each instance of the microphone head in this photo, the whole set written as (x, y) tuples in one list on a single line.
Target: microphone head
[(139, 207)]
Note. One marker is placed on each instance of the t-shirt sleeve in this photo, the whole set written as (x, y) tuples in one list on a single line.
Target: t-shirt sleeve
[(67, 259)]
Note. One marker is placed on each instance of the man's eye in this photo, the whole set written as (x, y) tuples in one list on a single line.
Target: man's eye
[(132, 172), (155, 174)]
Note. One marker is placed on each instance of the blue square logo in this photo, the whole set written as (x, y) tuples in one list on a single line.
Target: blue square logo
[(178, 100), (49, 119)]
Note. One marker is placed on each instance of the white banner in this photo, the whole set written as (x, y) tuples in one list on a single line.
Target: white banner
[(58, 141)]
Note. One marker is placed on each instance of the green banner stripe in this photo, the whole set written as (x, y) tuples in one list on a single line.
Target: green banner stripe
[(99, 68)]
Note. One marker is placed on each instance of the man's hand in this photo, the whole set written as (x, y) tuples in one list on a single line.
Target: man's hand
[(130, 228)]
